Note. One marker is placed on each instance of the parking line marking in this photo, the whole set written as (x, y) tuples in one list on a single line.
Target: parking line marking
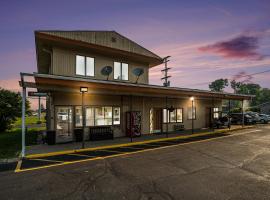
[(129, 153), (134, 143), (82, 155), (46, 160), (18, 167)]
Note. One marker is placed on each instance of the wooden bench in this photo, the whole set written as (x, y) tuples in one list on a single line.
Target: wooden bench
[(101, 133), (179, 127)]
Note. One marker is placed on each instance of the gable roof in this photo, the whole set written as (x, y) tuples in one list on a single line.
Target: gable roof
[(110, 39)]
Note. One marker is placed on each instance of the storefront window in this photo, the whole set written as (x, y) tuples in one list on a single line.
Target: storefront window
[(107, 115), (191, 113), (116, 115), (179, 115), (90, 116), (215, 113), (78, 116), (173, 116), (165, 115)]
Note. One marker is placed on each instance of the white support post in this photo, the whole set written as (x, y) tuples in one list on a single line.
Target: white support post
[(23, 120), (39, 109)]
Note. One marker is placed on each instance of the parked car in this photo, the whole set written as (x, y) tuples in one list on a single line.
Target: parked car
[(255, 117), (237, 118), (264, 118), (221, 122)]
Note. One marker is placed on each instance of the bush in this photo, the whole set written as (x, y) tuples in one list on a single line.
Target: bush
[(10, 108)]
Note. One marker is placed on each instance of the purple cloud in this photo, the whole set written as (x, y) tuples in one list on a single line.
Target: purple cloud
[(239, 47)]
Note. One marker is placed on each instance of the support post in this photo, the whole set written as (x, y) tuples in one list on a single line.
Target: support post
[(39, 109), (212, 114), (229, 115), (243, 116), (167, 118), (83, 115), (130, 120), (23, 120), (192, 116)]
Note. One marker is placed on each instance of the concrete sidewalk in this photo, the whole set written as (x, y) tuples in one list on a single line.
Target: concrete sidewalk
[(44, 148)]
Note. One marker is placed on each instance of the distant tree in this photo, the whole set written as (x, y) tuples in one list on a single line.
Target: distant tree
[(218, 85), (235, 86), (10, 108), (42, 108)]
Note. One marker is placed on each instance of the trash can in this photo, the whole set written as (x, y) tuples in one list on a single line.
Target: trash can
[(51, 137), (78, 134)]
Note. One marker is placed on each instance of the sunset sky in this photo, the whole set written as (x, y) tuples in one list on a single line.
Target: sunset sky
[(207, 39)]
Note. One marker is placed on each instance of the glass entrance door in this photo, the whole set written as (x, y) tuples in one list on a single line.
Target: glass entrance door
[(64, 124)]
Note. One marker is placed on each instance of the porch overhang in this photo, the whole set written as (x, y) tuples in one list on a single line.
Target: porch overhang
[(55, 83)]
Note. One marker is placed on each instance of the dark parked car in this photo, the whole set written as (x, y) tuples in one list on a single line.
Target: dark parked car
[(237, 118), (255, 117), (264, 118), (221, 122)]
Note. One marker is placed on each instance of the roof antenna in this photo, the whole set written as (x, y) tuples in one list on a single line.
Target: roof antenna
[(165, 70), (106, 71)]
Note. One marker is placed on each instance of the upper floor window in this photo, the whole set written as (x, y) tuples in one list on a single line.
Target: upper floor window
[(85, 66), (120, 71)]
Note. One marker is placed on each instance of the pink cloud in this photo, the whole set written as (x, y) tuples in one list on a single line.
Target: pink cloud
[(239, 47)]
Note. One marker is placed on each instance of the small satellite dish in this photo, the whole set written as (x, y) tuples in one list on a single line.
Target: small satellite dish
[(106, 71), (138, 72)]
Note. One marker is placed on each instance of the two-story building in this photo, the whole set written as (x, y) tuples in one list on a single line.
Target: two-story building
[(69, 60)]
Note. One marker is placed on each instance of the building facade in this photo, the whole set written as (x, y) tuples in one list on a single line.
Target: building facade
[(69, 60)]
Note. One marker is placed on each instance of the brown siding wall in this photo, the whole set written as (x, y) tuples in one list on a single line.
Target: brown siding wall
[(64, 62), (143, 104)]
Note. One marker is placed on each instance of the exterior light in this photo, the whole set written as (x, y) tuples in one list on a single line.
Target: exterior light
[(84, 89), (191, 98)]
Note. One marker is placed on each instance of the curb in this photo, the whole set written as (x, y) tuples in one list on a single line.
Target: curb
[(134, 143)]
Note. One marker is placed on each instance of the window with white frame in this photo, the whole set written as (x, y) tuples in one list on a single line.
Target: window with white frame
[(78, 116), (98, 116), (85, 66), (215, 113), (175, 116), (192, 113), (120, 71)]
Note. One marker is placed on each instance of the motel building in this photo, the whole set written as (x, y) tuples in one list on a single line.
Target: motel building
[(97, 83)]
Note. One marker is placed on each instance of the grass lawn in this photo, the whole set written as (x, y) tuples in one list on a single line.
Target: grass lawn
[(29, 120), (10, 141)]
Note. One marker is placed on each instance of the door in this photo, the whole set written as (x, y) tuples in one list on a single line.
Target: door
[(156, 120), (64, 124), (208, 117)]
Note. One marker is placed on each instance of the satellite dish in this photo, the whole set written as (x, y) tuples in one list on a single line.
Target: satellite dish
[(106, 71), (138, 72)]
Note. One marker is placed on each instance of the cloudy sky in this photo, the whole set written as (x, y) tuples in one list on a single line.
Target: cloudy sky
[(207, 39)]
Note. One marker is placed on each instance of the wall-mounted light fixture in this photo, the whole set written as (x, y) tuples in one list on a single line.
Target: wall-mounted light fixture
[(83, 89)]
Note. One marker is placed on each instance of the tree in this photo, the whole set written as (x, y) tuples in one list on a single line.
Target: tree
[(218, 85), (235, 86), (10, 108)]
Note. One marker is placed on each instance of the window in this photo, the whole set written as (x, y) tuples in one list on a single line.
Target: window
[(78, 116), (191, 114), (116, 115), (89, 116), (215, 113), (98, 116), (85, 66), (175, 116), (120, 71), (179, 115), (165, 115)]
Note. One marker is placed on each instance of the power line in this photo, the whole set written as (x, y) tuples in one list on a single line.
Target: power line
[(246, 75)]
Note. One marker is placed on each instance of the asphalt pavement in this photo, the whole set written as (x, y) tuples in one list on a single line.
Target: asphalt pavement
[(230, 167)]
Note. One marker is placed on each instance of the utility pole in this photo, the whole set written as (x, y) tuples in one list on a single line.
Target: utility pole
[(165, 70)]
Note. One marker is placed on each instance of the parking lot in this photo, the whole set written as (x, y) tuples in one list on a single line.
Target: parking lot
[(229, 167)]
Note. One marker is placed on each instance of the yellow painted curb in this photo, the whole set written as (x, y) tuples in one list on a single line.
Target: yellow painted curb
[(133, 143)]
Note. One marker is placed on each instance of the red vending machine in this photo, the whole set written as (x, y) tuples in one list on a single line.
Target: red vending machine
[(133, 123)]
